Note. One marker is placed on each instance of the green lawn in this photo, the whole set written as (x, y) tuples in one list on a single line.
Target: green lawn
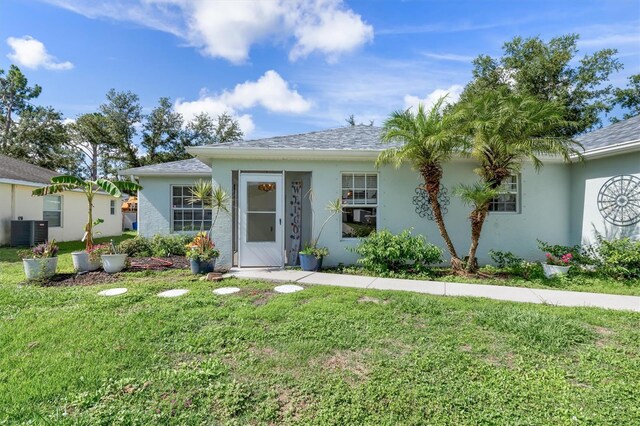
[(321, 356)]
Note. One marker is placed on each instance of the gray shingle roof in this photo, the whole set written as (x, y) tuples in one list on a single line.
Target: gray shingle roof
[(191, 166), (618, 133), (360, 137), (11, 168)]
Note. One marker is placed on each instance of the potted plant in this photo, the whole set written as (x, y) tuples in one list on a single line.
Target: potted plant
[(112, 260), (557, 265), (81, 261), (202, 254), (311, 256), (41, 261)]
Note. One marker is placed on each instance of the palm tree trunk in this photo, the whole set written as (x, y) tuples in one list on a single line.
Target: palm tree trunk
[(89, 227), (432, 175), (477, 221)]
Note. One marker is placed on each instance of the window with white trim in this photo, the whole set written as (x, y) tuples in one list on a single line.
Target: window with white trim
[(509, 199), (187, 215), (112, 207), (52, 210), (360, 204)]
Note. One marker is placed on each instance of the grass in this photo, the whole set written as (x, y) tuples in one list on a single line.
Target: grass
[(321, 356)]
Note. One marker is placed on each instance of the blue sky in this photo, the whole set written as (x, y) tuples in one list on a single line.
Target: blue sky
[(285, 67)]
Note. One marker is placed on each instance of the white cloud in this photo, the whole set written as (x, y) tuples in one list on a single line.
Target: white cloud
[(228, 29), (270, 91), (31, 53), (449, 57), (452, 93)]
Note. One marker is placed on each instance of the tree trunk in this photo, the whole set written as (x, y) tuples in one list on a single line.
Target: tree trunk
[(432, 175), (477, 221)]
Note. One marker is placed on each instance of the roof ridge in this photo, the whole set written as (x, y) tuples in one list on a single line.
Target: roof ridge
[(313, 132)]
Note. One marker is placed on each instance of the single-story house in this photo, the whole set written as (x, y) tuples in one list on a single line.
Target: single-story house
[(65, 212), (281, 185)]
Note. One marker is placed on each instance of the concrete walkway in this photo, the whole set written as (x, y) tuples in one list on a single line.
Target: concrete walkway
[(514, 294)]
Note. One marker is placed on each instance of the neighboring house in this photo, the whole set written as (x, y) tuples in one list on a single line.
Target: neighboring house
[(273, 214), (66, 212)]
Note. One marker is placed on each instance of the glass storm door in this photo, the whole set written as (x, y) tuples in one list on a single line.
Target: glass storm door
[(261, 222)]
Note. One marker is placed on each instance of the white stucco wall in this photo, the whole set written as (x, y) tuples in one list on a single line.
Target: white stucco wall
[(544, 206), (587, 178), (74, 213), (154, 203)]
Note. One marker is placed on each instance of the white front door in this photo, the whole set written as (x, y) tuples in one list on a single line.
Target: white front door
[(261, 220)]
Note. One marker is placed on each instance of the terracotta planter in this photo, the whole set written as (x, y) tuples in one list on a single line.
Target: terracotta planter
[(82, 262), (553, 270), (35, 269), (112, 263)]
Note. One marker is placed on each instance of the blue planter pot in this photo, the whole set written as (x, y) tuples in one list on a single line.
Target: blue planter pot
[(202, 266), (309, 262)]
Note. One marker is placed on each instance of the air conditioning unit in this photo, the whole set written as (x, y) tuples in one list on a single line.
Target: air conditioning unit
[(28, 233)]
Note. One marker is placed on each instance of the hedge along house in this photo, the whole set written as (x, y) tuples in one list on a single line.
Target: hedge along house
[(280, 187), (66, 212)]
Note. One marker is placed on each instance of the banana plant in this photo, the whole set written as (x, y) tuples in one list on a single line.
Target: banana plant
[(90, 188)]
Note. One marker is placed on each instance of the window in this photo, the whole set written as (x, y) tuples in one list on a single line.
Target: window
[(508, 200), (52, 210), (112, 207), (187, 216), (360, 204)]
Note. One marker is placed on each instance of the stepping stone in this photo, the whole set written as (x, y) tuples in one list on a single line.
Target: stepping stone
[(226, 290), (173, 293), (289, 288), (113, 292)]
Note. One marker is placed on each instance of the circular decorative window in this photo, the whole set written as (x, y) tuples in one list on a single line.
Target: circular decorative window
[(619, 200)]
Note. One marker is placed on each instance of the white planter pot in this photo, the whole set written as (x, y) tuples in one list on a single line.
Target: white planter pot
[(551, 270), (112, 263), (35, 269), (82, 262)]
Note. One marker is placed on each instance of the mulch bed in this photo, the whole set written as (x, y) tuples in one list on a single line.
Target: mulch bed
[(158, 263), (101, 277)]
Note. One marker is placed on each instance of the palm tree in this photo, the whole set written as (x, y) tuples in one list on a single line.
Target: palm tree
[(90, 188), (504, 130), (425, 144)]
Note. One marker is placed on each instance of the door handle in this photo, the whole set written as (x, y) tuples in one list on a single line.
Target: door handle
[(280, 221)]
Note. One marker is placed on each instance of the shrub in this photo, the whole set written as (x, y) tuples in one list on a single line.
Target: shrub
[(136, 247), (580, 255), (383, 252), (619, 258), (168, 245), (514, 265)]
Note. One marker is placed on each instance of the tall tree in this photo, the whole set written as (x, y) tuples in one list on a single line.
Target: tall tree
[(91, 138), (15, 95), (41, 138), (203, 129), (504, 130), (227, 129), (161, 135), (123, 112), (550, 71), (425, 144), (629, 98)]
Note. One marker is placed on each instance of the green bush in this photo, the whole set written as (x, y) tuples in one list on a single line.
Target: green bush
[(168, 245), (582, 255), (514, 265), (136, 247), (619, 258), (157, 246), (382, 252)]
